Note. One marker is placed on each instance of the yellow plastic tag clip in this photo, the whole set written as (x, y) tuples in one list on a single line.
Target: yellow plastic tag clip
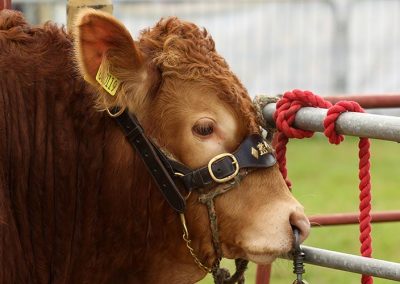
[(107, 81)]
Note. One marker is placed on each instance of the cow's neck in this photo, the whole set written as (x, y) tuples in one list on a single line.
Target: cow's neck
[(167, 258), (172, 265), (159, 253)]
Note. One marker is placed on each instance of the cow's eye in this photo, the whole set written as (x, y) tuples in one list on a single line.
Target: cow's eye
[(203, 127)]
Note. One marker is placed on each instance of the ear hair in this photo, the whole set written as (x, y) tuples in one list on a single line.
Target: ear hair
[(103, 41)]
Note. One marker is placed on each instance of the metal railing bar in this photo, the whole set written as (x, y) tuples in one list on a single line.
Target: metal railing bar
[(352, 263), (350, 123)]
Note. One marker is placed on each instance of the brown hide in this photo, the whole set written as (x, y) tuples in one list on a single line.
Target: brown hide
[(76, 203), (64, 216)]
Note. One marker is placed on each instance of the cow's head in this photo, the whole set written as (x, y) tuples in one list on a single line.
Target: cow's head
[(194, 107)]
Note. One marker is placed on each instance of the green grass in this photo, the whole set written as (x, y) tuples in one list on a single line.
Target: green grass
[(325, 180)]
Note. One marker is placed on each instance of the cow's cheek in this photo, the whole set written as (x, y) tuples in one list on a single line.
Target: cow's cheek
[(259, 224)]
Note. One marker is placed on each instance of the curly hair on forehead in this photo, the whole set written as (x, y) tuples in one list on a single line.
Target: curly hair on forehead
[(181, 50)]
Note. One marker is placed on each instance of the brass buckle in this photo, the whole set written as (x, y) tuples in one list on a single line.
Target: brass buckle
[(218, 157)]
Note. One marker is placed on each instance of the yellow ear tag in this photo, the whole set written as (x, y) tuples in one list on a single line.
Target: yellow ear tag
[(107, 80)]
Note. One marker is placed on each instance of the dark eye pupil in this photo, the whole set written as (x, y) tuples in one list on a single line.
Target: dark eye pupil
[(203, 130)]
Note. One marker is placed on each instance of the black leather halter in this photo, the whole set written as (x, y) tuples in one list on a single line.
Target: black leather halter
[(152, 157), (227, 168), (254, 152)]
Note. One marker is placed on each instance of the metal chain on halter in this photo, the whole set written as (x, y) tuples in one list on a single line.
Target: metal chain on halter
[(298, 259), (187, 240), (222, 275), (232, 168)]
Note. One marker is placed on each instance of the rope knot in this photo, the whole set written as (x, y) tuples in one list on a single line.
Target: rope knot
[(332, 116), (289, 105), (285, 114)]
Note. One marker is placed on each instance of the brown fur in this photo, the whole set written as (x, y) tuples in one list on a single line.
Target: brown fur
[(59, 201), (76, 205), (183, 51)]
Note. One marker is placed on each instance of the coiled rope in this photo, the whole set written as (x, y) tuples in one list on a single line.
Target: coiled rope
[(286, 109)]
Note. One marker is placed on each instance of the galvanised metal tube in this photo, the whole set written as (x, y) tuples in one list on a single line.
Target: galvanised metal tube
[(352, 263), (349, 123), (5, 4), (74, 6)]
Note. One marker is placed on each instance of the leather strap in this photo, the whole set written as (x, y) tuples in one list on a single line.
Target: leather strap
[(146, 150), (254, 152)]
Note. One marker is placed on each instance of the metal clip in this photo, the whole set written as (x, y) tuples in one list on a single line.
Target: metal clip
[(298, 258)]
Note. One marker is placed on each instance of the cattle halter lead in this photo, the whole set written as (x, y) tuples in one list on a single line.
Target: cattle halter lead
[(221, 174)]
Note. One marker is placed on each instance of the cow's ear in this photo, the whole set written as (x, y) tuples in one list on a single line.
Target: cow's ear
[(104, 48)]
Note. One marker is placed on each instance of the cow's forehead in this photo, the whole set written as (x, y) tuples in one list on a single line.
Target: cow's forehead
[(183, 51), (182, 47)]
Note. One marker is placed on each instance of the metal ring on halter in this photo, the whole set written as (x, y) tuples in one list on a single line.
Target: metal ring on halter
[(115, 114), (181, 175)]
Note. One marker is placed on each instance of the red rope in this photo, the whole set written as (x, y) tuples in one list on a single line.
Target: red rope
[(286, 109), (284, 116)]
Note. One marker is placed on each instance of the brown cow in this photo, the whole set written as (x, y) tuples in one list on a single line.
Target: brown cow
[(76, 202)]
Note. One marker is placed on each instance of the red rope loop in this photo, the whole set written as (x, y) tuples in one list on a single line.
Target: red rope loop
[(284, 116), (333, 114), (289, 105)]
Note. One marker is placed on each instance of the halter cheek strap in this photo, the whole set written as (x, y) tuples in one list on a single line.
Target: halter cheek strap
[(151, 156)]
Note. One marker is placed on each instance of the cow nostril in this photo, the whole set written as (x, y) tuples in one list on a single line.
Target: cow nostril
[(299, 221)]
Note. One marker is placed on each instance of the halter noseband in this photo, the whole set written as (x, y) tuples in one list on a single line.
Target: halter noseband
[(254, 152), (221, 174)]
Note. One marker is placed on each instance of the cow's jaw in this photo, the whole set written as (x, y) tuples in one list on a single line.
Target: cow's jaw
[(260, 229)]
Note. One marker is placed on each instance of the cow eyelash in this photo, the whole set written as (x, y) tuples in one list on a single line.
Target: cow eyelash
[(203, 129)]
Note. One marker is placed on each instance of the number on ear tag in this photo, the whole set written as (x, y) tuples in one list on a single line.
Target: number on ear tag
[(107, 80)]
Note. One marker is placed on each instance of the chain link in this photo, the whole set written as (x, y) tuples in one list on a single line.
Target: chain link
[(187, 240)]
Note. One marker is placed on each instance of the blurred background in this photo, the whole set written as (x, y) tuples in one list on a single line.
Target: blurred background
[(328, 46)]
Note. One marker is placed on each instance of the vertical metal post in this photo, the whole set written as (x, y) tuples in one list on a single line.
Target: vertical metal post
[(263, 274), (73, 7), (341, 10), (5, 4)]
